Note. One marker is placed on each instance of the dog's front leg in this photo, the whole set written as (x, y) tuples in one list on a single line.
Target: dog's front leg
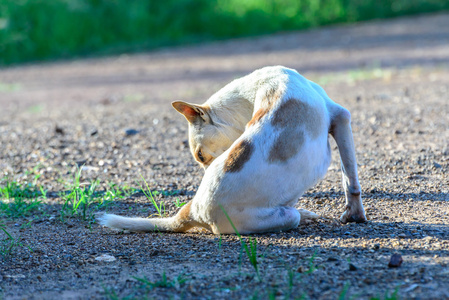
[(342, 133)]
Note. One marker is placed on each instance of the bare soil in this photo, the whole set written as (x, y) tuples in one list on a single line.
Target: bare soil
[(112, 117)]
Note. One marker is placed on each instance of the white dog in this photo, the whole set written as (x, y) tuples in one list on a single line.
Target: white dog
[(263, 140)]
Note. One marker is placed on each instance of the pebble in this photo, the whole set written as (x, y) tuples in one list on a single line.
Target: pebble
[(105, 258), (130, 132), (436, 165), (395, 261)]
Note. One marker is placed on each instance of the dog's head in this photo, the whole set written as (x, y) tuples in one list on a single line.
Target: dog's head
[(208, 136)]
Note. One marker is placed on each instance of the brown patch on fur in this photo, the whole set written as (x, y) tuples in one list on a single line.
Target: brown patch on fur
[(184, 213), (271, 97), (260, 113), (294, 113), (184, 222), (238, 156), (287, 144), (206, 107), (288, 114)]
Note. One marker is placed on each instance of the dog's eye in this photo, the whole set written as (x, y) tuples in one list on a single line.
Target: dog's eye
[(200, 156)]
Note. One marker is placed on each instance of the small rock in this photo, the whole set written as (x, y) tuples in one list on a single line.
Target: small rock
[(105, 258), (130, 132), (436, 165), (410, 288), (80, 163), (59, 130), (89, 169), (395, 261), (352, 267)]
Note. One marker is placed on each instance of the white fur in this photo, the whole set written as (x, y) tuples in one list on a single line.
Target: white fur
[(260, 196)]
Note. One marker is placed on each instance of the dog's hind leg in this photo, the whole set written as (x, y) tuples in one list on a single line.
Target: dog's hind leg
[(259, 219), (342, 133)]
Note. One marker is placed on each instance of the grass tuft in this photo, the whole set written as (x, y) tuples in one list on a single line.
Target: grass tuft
[(160, 208), (20, 200), (389, 296), (83, 199), (8, 245), (163, 282), (250, 247)]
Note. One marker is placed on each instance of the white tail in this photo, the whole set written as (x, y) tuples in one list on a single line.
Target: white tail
[(137, 224), (179, 223)]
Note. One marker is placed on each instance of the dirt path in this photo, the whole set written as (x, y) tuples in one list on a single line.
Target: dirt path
[(113, 117)]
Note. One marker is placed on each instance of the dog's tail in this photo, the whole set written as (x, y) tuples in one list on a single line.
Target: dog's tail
[(181, 222)]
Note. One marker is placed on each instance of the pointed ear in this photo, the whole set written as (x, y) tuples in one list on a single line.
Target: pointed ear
[(190, 111)]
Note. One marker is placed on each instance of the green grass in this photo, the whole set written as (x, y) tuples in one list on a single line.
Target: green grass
[(147, 285), (160, 208), (20, 199), (389, 296), (10, 189), (116, 192), (40, 29), (80, 197), (163, 282), (8, 245), (19, 207), (250, 247), (179, 204), (83, 199)]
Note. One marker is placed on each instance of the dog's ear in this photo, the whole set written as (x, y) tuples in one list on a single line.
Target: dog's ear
[(190, 111)]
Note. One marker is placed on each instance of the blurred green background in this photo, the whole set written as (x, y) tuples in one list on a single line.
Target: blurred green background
[(32, 30)]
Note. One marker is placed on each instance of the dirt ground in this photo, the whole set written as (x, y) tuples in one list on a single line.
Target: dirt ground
[(112, 118)]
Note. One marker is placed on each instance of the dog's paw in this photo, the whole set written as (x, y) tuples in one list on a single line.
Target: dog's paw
[(308, 217), (350, 216)]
